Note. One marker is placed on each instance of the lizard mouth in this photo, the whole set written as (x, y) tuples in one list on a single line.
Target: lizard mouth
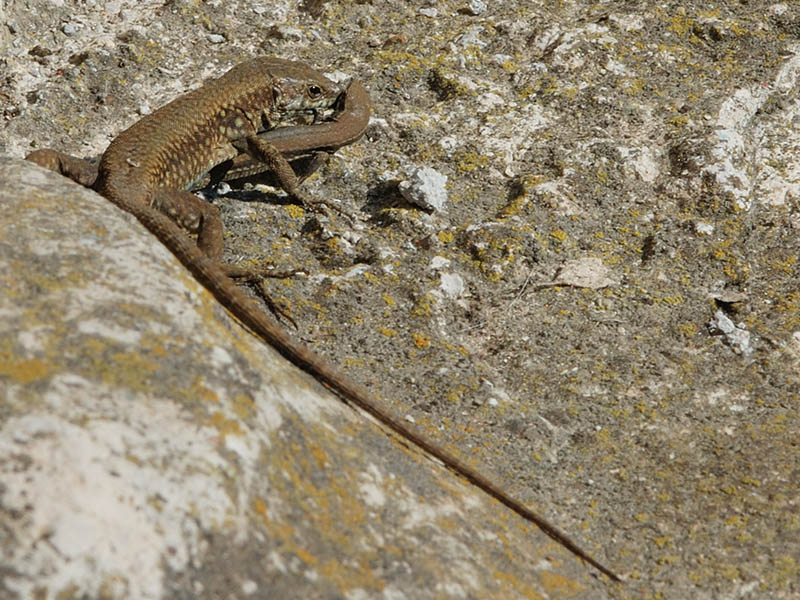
[(326, 114), (311, 116)]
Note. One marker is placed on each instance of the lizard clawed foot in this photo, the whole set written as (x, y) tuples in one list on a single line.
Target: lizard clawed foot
[(255, 278), (310, 203), (314, 205), (262, 293)]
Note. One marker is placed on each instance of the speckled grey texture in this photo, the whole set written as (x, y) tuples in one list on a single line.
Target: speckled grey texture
[(152, 448), (660, 139)]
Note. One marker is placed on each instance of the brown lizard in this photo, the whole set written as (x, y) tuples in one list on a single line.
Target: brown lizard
[(146, 169)]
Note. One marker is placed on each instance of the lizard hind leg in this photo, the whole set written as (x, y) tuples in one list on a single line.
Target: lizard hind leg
[(193, 215), (197, 216)]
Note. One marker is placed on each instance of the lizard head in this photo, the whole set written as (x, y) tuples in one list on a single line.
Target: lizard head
[(298, 99), (282, 92)]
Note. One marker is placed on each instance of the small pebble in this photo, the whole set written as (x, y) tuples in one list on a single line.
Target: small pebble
[(70, 28), (475, 8), (425, 187)]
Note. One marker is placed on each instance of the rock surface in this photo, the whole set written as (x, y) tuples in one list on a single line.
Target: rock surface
[(150, 447), (658, 141)]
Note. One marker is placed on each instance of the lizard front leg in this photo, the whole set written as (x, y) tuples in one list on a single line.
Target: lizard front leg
[(265, 152)]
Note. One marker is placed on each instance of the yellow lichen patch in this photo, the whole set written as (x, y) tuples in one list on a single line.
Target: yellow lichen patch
[(424, 307), (335, 512), (306, 556), (784, 569), (511, 583), (295, 211), (669, 300), (446, 237), (320, 456), (129, 368), (200, 392), (560, 586), (277, 528), (351, 361), (363, 578), (260, 507), (663, 541), (737, 521), (786, 266), (469, 162), (25, 371), (243, 406), (453, 347), (333, 243), (686, 330), (224, 425), (668, 559), (421, 340)]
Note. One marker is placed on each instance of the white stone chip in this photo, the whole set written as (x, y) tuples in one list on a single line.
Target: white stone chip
[(425, 187)]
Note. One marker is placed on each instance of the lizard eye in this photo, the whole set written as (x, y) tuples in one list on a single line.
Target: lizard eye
[(314, 91)]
